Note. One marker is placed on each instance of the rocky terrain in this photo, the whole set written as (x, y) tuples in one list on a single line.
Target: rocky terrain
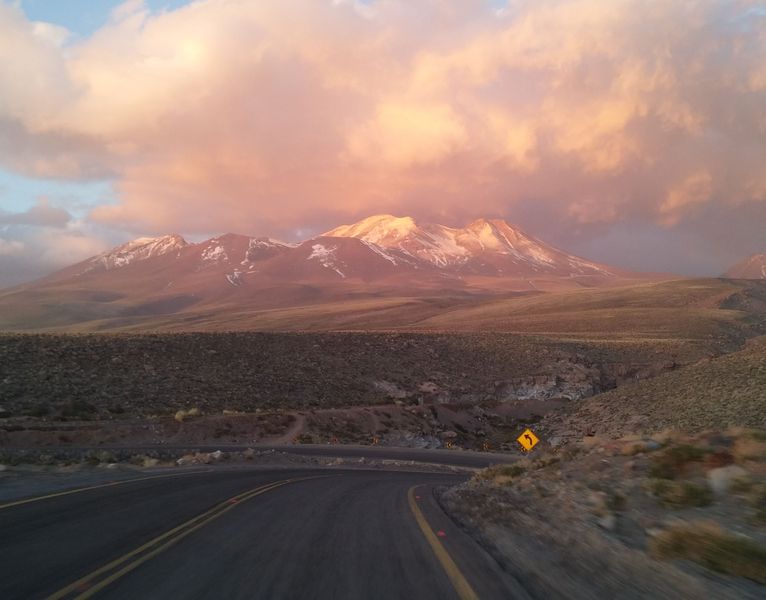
[(670, 516), (469, 390), (246, 371)]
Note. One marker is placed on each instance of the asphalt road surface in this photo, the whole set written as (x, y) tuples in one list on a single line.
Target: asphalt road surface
[(246, 533), (458, 458)]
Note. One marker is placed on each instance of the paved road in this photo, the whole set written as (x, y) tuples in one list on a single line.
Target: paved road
[(458, 458), (247, 533)]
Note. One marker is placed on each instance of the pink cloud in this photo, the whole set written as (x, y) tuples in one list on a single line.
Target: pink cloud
[(272, 115)]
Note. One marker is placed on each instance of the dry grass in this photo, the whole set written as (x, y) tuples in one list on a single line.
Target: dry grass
[(182, 415), (683, 308), (681, 494), (707, 544), (668, 310)]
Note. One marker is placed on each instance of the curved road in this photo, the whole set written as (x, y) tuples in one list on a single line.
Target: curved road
[(458, 458), (247, 533)]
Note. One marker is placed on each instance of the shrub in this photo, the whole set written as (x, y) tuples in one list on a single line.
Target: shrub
[(673, 461), (681, 494), (708, 545), (501, 474), (511, 470)]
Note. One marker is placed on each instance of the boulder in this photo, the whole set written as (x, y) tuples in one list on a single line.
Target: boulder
[(722, 478), (608, 522), (187, 459), (428, 387)]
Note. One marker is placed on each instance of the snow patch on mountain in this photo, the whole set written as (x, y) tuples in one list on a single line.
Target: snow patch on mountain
[(326, 257), (262, 248), (262, 242), (585, 267), (441, 247), (378, 229), (235, 278), (135, 250), (498, 236), (380, 252), (214, 253)]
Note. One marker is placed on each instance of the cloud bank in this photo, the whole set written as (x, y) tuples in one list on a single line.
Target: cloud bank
[(577, 118)]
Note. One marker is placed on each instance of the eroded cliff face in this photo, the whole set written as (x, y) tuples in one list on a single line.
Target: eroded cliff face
[(565, 377)]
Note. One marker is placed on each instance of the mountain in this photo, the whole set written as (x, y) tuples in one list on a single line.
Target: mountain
[(376, 263), (753, 267), (484, 247), (135, 251)]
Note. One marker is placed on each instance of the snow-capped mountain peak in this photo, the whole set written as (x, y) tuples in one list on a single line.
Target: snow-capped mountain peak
[(138, 249), (377, 229), (485, 246)]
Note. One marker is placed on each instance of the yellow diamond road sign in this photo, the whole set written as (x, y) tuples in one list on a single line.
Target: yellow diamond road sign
[(528, 440)]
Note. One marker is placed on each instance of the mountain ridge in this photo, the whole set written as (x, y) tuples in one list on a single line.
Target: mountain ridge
[(380, 262), (485, 247)]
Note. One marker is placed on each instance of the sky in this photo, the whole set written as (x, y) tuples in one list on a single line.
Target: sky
[(631, 132)]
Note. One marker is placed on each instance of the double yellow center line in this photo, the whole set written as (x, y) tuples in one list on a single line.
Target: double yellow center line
[(95, 487), (87, 586)]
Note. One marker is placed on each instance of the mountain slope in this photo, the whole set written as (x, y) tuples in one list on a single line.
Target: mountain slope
[(753, 267)]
